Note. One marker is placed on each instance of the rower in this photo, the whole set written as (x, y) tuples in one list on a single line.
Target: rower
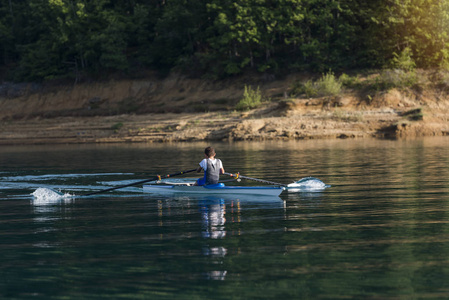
[(211, 166)]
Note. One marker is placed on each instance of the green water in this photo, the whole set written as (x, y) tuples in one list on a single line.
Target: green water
[(380, 232)]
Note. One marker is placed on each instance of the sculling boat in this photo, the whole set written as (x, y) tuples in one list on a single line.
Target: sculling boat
[(308, 184), (219, 188)]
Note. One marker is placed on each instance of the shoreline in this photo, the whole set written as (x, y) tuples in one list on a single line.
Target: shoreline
[(179, 109), (269, 123)]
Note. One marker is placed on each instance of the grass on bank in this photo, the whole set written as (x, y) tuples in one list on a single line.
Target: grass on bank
[(330, 85), (344, 116), (327, 85), (400, 73), (365, 85)]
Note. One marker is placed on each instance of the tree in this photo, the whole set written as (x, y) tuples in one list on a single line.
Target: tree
[(421, 25), (44, 39)]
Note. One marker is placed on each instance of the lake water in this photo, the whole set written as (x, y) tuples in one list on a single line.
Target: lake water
[(381, 231)]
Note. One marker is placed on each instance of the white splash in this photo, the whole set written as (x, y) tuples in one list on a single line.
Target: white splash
[(47, 195), (307, 184)]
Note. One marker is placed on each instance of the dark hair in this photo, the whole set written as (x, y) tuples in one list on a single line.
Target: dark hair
[(209, 151)]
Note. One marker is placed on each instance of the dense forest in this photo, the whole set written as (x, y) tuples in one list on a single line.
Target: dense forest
[(77, 39)]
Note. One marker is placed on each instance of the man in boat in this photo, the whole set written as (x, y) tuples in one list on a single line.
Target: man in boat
[(211, 166)]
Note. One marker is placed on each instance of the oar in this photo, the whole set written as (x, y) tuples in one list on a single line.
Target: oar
[(237, 175), (139, 182)]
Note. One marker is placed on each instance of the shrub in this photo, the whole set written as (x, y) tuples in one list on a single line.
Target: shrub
[(327, 85), (251, 99), (397, 78), (310, 89), (403, 61), (117, 126), (349, 81)]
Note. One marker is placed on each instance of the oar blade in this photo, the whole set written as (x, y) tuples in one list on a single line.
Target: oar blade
[(307, 184)]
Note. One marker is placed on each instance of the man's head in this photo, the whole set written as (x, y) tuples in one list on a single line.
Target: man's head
[(209, 151)]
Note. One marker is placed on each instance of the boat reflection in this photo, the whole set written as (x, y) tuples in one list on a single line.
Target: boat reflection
[(215, 212), (213, 219)]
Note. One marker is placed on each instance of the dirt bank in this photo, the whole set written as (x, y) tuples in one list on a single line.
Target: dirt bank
[(181, 109)]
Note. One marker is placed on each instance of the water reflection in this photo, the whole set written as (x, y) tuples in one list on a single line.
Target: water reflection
[(46, 214), (381, 231), (215, 212), (51, 209)]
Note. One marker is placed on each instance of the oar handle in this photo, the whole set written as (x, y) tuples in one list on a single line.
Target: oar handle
[(158, 177), (237, 175)]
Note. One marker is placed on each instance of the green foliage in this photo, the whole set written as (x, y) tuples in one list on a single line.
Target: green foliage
[(326, 85), (251, 99), (60, 38), (329, 85), (390, 79), (349, 81), (309, 88), (403, 61), (117, 126)]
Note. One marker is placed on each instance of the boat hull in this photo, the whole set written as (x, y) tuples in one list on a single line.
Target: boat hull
[(214, 190)]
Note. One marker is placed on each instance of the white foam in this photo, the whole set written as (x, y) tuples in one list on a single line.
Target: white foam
[(46, 195), (307, 184)]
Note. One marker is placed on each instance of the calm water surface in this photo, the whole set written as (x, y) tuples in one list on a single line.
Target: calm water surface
[(381, 231)]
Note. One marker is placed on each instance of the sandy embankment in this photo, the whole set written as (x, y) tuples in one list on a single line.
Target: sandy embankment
[(180, 109)]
